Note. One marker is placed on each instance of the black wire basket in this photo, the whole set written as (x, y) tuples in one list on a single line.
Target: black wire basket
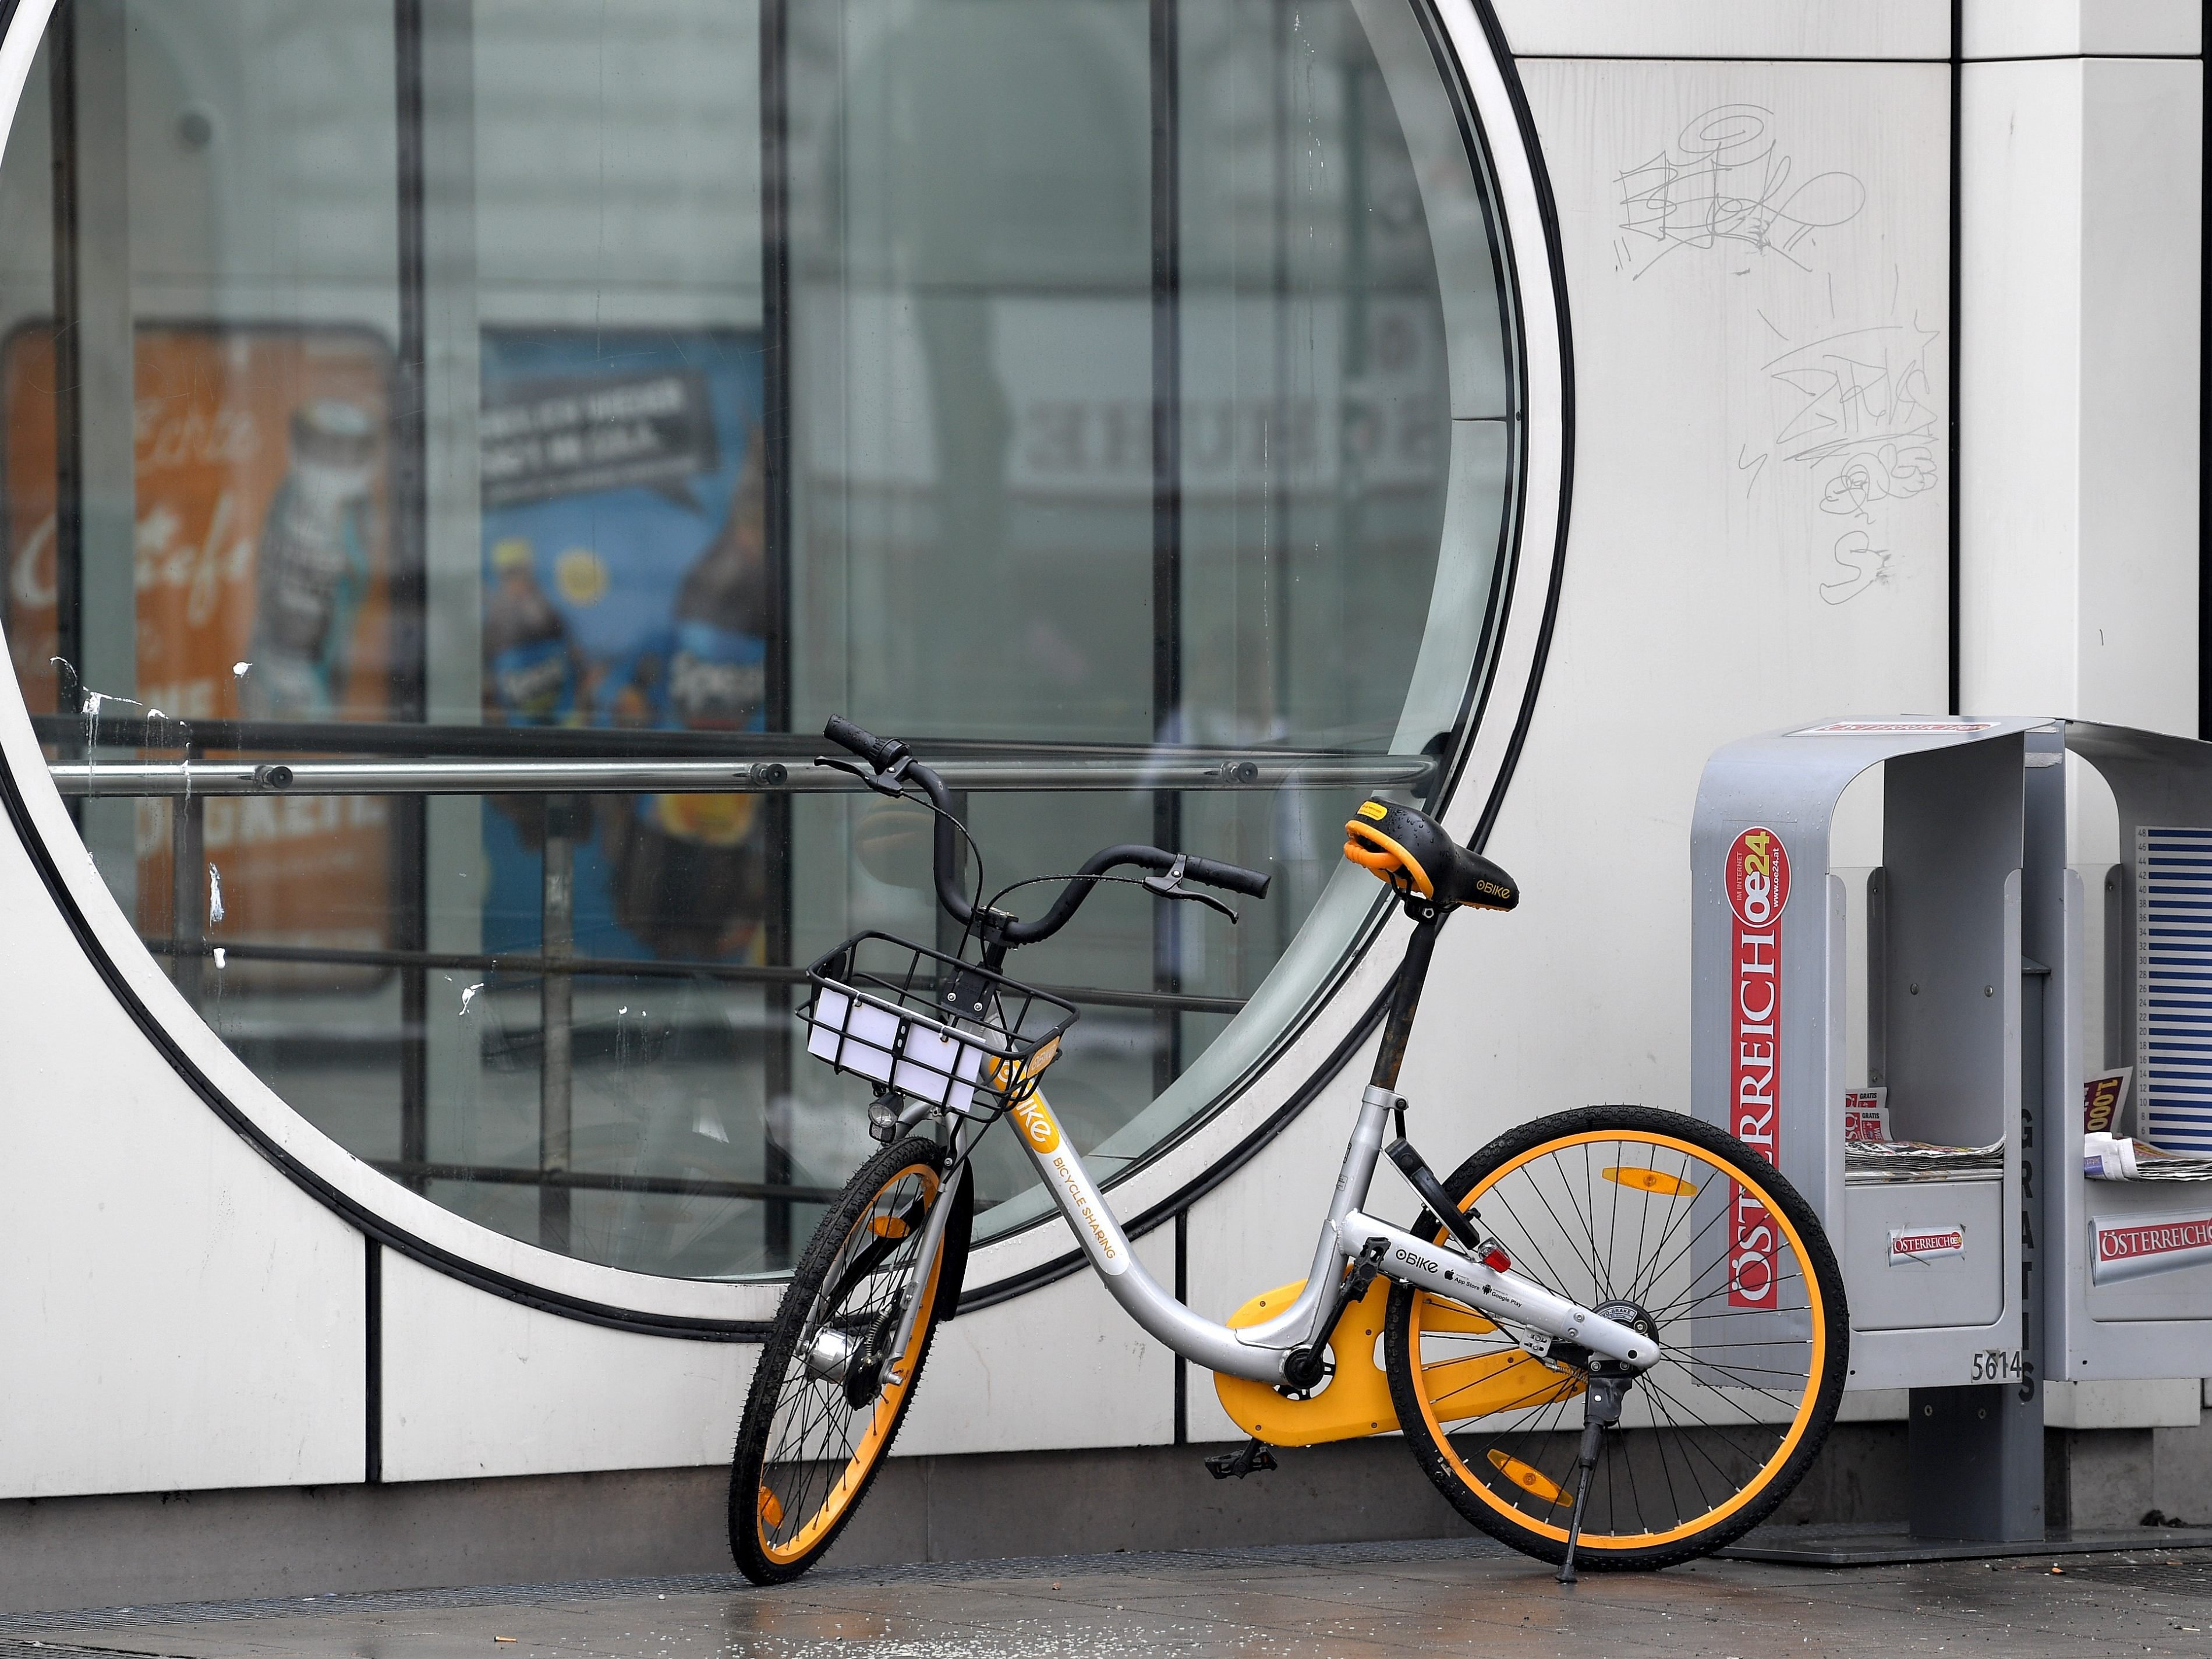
[(931, 1026)]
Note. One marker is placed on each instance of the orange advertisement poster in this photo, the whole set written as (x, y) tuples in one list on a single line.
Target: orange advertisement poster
[(262, 570)]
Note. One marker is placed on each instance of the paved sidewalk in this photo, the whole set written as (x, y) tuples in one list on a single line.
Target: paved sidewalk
[(1336, 1600)]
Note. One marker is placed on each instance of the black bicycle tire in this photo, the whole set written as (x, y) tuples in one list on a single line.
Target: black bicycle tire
[(754, 1428), (1398, 1360)]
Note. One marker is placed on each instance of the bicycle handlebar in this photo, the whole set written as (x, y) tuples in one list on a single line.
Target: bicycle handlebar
[(1207, 871), (1230, 878), (884, 754)]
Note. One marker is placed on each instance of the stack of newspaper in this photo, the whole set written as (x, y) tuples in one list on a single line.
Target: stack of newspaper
[(2119, 1159), (1868, 1163)]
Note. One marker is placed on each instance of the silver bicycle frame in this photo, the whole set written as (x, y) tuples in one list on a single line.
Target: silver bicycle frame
[(1258, 1351)]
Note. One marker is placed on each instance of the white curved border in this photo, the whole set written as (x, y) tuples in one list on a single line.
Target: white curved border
[(1537, 544), (1531, 548)]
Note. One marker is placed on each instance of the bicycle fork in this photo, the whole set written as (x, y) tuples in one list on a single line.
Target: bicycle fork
[(927, 1251)]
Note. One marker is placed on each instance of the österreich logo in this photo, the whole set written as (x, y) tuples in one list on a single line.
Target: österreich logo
[(1757, 878), (2139, 1245), (1758, 875), (1925, 1244)]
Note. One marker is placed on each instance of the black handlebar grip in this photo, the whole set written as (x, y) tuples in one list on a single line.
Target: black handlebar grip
[(1230, 878), (878, 752)]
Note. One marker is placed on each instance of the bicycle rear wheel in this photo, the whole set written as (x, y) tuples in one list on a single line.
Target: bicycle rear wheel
[(1669, 1225), (822, 1413)]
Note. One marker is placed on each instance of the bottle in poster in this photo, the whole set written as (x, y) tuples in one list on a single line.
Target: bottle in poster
[(531, 676), (689, 871), (313, 567)]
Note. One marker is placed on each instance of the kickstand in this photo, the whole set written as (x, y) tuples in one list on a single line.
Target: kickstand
[(1601, 1401), (1585, 1462), (1251, 1458)]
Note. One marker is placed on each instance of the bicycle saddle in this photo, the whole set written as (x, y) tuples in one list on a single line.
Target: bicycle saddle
[(1407, 849)]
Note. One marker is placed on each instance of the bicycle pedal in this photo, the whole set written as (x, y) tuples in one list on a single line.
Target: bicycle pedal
[(1251, 1458)]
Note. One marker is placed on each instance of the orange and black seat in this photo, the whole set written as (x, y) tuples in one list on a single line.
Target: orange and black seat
[(1407, 849)]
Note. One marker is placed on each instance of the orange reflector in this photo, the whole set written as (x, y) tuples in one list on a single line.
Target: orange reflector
[(888, 1226), (1649, 1180), (771, 1510), (1526, 1477)]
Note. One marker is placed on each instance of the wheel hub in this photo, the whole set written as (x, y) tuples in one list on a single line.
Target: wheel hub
[(863, 1377), (1630, 1314)]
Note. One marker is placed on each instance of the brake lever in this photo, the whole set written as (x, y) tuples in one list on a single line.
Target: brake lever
[(892, 783), (1170, 886)]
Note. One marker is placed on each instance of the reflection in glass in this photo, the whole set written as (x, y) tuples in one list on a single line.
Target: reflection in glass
[(498, 382)]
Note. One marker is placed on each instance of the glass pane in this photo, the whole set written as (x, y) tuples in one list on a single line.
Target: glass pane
[(487, 384)]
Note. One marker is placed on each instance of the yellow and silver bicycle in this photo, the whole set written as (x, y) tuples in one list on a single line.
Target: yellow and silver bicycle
[(1614, 1332)]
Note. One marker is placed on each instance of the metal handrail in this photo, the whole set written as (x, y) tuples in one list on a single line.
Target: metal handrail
[(418, 1169), (530, 965), (739, 775), (108, 729)]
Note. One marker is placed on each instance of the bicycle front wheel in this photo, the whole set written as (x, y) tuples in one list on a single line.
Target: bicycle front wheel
[(1668, 1224), (829, 1395)]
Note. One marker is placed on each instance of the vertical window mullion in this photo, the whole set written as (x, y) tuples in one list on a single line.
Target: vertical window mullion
[(777, 1165), (1167, 500), (409, 539)]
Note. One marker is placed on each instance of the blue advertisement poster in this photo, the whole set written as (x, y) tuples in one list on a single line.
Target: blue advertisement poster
[(625, 585)]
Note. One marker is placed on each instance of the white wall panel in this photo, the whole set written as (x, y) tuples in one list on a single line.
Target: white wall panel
[(2047, 28), (2020, 396), (2080, 296), (1759, 535), (177, 1313), (1729, 28), (2142, 307), (1062, 1366), (477, 1385)]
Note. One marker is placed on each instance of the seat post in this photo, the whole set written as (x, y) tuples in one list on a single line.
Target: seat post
[(1405, 998)]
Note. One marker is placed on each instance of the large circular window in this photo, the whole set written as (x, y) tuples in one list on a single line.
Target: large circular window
[(409, 409)]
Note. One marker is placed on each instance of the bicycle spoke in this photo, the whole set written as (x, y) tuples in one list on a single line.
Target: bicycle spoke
[(819, 1441), (1716, 1414), (1551, 1272)]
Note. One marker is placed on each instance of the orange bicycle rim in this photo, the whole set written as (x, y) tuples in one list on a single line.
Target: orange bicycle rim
[(1781, 1455)]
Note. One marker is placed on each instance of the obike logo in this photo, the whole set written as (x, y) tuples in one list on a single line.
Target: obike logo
[(1037, 1127), (1420, 1261), (1757, 879), (1493, 889), (2151, 1244)]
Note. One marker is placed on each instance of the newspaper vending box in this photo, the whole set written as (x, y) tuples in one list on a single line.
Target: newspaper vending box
[(2129, 1207), (1919, 1156)]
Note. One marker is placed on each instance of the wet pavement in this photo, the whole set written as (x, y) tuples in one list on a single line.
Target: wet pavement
[(1451, 1596)]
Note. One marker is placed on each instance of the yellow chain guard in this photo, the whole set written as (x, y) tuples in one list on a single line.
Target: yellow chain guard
[(1357, 1402)]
